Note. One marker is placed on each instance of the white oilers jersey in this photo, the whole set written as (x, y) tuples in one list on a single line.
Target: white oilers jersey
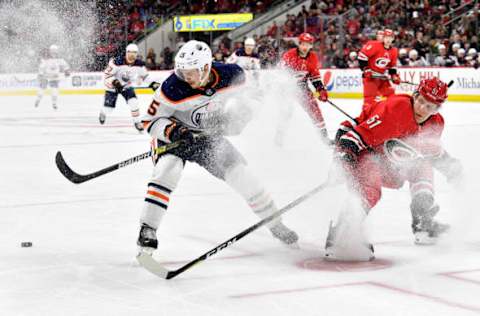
[(129, 75), (247, 62), (53, 68), (201, 110)]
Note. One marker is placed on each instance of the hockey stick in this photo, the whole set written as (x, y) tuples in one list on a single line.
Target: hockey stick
[(316, 95), (147, 261), (79, 178), (383, 77)]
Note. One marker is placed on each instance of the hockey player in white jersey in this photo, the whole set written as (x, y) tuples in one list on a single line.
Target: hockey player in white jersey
[(50, 72), (191, 107), (122, 74), (246, 57)]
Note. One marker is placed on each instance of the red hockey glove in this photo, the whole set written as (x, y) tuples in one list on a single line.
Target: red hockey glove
[(323, 95), (395, 79)]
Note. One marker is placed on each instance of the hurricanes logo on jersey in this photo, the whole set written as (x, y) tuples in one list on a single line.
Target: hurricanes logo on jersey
[(382, 62)]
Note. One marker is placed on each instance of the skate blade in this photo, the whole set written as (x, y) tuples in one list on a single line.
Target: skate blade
[(146, 250), (422, 239)]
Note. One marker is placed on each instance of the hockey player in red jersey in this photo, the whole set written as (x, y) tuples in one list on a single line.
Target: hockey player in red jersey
[(375, 58), (304, 64), (373, 155)]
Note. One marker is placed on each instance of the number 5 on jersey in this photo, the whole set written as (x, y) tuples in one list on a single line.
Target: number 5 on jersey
[(152, 109)]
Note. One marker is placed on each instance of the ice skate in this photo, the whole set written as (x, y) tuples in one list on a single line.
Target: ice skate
[(101, 118), (147, 239), (285, 235), (427, 231), (336, 250), (37, 103), (54, 106), (138, 126)]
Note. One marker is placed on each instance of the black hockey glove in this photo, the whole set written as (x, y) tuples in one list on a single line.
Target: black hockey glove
[(154, 85), (177, 132), (117, 86)]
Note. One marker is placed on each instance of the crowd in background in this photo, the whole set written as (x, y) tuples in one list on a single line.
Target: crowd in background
[(423, 35)]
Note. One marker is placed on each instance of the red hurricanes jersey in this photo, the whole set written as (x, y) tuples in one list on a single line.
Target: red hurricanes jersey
[(395, 118), (308, 66), (379, 58)]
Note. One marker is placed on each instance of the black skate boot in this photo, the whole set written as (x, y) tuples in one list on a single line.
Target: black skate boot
[(285, 235), (37, 103), (147, 239), (425, 229), (138, 126), (101, 118)]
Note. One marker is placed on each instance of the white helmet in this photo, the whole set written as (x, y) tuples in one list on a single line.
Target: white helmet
[(472, 51), (456, 46), (53, 49), (402, 51), (193, 55), (441, 46), (249, 42), (412, 53), (132, 48), (461, 52), (352, 54)]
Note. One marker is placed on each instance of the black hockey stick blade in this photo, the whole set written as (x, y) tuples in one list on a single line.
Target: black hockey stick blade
[(153, 266), (79, 178)]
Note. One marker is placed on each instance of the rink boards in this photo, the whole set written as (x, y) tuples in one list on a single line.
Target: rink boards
[(341, 83)]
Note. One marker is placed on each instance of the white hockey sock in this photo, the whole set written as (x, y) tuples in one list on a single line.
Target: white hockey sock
[(166, 175), (54, 95), (134, 109), (247, 185), (40, 94)]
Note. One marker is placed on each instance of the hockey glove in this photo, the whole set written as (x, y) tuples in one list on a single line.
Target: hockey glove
[(323, 95), (176, 132), (154, 85), (450, 167), (395, 79), (117, 86)]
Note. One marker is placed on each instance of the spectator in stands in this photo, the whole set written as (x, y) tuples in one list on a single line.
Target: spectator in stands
[(420, 45), (472, 58), (273, 30), (151, 60), (443, 60), (403, 57), (415, 60), (352, 60), (461, 61), (167, 56)]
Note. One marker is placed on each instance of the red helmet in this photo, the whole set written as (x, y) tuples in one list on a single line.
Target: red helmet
[(434, 90), (388, 32), (380, 32), (306, 37)]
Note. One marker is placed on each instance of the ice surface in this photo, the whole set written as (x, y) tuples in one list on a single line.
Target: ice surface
[(83, 257)]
